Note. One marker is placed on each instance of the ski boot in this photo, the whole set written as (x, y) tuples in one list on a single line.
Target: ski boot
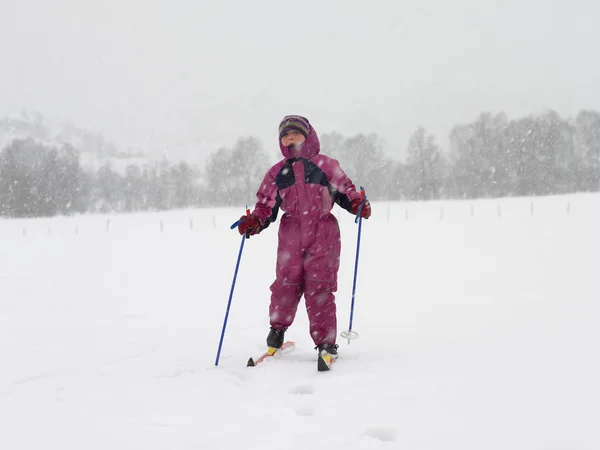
[(275, 338), (327, 356)]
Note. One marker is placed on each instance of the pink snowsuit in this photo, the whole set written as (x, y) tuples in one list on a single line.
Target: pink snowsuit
[(308, 254)]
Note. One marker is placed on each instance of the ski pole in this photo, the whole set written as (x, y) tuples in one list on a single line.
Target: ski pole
[(235, 224), (353, 334), (237, 266)]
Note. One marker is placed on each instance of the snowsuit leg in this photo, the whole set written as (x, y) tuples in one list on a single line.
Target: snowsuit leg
[(288, 287), (320, 273)]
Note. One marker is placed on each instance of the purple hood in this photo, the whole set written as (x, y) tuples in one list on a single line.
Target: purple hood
[(310, 147)]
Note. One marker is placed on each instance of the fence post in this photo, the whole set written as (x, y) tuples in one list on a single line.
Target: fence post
[(107, 225), (499, 211), (472, 210), (191, 224), (568, 207), (162, 226)]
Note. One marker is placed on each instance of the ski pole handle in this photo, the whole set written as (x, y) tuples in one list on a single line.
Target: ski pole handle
[(235, 225), (363, 198)]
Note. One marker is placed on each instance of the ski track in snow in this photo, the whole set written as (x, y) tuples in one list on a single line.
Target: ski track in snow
[(477, 330)]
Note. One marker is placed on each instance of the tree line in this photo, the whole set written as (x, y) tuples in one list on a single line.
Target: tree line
[(493, 156)]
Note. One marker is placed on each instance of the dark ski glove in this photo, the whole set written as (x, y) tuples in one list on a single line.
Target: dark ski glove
[(249, 225), (365, 212)]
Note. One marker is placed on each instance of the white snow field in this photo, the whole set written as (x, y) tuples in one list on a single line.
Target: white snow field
[(478, 322)]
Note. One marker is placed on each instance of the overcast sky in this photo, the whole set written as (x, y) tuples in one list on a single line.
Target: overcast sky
[(188, 76)]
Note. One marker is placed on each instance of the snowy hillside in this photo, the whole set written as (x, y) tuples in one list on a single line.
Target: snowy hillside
[(477, 321), (95, 150)]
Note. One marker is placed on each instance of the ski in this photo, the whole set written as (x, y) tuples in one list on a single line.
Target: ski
[(285, 348)]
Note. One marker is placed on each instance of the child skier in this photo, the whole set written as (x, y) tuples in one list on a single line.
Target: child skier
[(305, 184)]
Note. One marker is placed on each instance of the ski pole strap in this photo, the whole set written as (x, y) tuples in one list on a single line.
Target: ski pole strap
[(235, 224)]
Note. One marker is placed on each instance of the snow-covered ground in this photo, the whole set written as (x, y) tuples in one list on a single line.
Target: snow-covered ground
[(478, 330)]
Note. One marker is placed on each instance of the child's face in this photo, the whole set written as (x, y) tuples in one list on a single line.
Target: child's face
[(292, 137)]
